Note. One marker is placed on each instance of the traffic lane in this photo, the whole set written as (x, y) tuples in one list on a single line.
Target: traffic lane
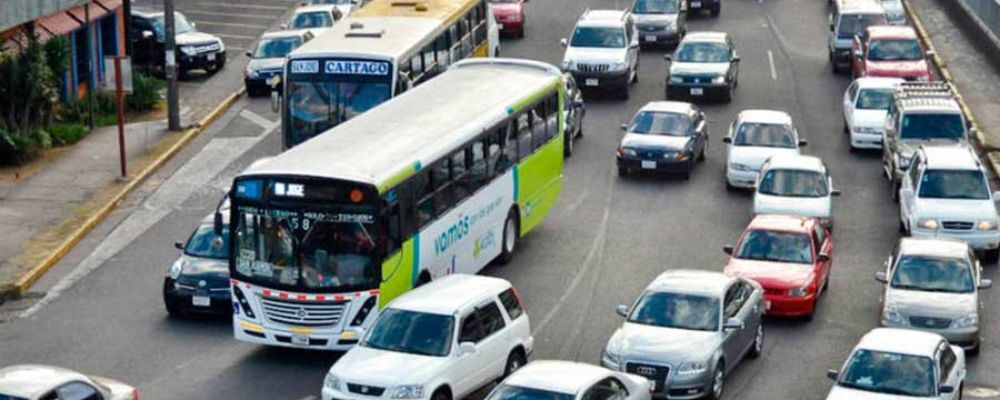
[(238, 23)]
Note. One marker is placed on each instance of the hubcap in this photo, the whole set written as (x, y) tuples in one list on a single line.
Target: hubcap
[(509, 239), (759, 340), (717, 384)]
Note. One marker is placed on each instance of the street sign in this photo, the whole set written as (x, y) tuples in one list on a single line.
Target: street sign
[(109, 84)]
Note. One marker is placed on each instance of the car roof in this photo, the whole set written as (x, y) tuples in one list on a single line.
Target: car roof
[(557, 376), (878, 82), (33, 380), (933, 247), (950, 156), (930, 104), (678, 107), (707, 283), (611, 18), (782, 223), (705, 36), (284, 34), (861, 7), (901, 341), (796, 161), (891, 32), (315, 7), (765, 116), (451, 294)]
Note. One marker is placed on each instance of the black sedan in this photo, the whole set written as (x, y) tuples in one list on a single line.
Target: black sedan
[(664, 136), (705, 63), (199, 280)]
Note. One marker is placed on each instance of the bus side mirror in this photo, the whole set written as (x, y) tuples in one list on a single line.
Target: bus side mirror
[(217, 223)]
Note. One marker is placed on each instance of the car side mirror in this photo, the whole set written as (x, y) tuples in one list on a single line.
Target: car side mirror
[(835, 192), (985, 283), (624, 127), (946, 389), (147, 34), (564, 42), (217, 223), (728, 249), (275, 101), (727, 139), (249, 54), (622, 310), (736, 59), (823, 257), (881, 277), (832, 374), (930, 53), (466, 348), (283, 26), (733, 324), (803, 143), (180, 246), (668, 57)]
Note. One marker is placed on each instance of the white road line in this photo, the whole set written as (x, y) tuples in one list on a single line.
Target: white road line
[(228, 14), (310, 397), (231, 36), (231, 24), (770, 58), (262, 122), (241, 5)]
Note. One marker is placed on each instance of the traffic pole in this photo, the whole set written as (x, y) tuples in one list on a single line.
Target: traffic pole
[(90, 65), (173, 103), (120, 99)]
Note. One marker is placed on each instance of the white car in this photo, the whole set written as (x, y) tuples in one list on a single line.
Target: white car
[(316, 18), (795, 185), (564, 380), (754, 136), (42, 382), (946, 193), (892, 363), (866, 103), (441, 341), (603, 51)]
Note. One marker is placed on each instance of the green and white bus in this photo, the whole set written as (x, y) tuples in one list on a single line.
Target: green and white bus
[(442, 179)]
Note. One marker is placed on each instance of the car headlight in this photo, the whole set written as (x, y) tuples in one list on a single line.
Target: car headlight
[(676, 79), (967, 321), (719, 79), (189, 50), (865, 129), (222, 46), (176, 269), (928, 223), (903, 161), (567, 65), (331, 381), (692, 368), (798, 292), (629, 152), (611, 358), (987, 225), (892, 317), (253, 74), (619, 66), (407, 392), (739, 167)]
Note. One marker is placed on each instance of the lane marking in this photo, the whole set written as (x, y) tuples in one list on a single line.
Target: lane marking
[(260, 121), (232, 25), (770, 59), (229, 14), (243, 5), (231, 36)]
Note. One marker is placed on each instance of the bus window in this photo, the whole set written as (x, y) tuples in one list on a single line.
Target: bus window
[(429, 60), (538, 135), (417, 66), (394, 229), (443, 196), (553, 116), (424, 195), (523, 135), (478, 174), (441, 48), (459, 189)]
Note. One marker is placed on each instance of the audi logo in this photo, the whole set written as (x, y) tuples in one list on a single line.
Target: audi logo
[(646, 370)]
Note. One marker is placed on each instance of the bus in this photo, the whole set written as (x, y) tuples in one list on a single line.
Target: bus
[(443, 179), (379, 51)]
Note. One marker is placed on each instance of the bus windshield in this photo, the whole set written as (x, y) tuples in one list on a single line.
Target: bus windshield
[(315, 106)]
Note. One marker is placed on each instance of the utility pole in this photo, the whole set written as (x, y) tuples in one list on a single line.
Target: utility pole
[(173, 103), (91, 83), (127, 10)]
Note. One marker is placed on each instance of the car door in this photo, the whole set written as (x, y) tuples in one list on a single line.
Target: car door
[(145, 49), (734, 64), (732, 342), (849, 97), (467, 369), (949, 372), (749, 314), (633, 40), (908, 188), (823, 245), (496, 340)]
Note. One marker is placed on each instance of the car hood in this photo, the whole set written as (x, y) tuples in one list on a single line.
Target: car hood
[(691, 68), (897, 68), (818, 207), (951, 209), (196, 38), (214, 272), (869, 118), (506, 8), (770, 274), (595, 54), (659, 142), (667, 345), (655, 19), (266, 64), (931, 304), (367, 366), (842, 393), (754, 156)]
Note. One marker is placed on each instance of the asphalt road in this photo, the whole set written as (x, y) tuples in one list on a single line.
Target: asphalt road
[(606, 239)]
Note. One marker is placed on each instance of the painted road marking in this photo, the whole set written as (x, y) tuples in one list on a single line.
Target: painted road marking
[(229, 14), (239, 37), (770, 58), (262, 122), (230, 24), (241, 5)]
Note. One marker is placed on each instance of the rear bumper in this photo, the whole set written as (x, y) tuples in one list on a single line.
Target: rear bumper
[(661, 37), (866, 140), (703, 4), (511, 27), (966, 338), (690, 90)]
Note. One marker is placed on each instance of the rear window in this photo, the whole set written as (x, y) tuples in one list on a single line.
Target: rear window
[(511, 303)]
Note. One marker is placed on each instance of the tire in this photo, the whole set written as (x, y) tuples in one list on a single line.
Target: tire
[(515, 361), (423, 279), (729, 186), (718, 381), (826, 283), (623, 91), (568, 146), (701, 154), (622, 171), (441, 394), (727, 96), (758, 343), (972, 353), (511, 228), (991, 256)]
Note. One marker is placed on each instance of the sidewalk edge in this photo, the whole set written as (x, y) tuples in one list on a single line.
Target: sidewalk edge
[(25, 282)]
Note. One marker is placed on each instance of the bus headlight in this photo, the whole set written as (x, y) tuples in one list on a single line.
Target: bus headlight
[(366, 309)]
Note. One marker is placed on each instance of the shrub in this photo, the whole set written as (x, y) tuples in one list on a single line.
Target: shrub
[(15, 149), (145, 92), (63, 134)]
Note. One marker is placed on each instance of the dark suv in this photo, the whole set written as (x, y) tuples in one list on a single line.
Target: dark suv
[(194, 50)]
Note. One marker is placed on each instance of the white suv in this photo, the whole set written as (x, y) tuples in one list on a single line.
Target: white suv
[(945, 193), (441, 341), (603, 51)]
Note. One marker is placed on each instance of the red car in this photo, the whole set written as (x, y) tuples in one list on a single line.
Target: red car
[(891, 52), (510, 16), (790, 257)]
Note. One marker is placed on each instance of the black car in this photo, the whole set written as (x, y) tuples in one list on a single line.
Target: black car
[(713, 6), (199, 280), (704, 64), (194, 50), (573, 112), (664, 136), (267, 59)]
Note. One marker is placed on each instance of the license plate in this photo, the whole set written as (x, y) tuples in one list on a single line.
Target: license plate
[(590, 82), (211, 56), (697, 91), (695, 4), (648, 164), (201, 301), (650, 38), (301, 340)]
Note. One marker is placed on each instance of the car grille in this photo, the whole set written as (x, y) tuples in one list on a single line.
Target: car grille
[(650, 154), (930, 322), (365, 390), (655, 373), (303, 313), (698, 79), (593, 67), (651, 28), (957, 225)]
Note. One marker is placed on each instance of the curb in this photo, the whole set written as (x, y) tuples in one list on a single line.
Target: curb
[(25, 282), (985, 147)]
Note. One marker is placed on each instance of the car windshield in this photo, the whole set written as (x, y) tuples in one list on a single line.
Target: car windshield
[(205, 243), (9, 397), (661, 123), (315, 19), (954, 184), (703, 52), (933, 274), (511, 392), (277, 47), (765, 135), (853, 24), (765, 245), (586, 36), (411, 332), (895, 50), (794, 183), (932, 126), (889, 373), (655, 7), (874, 99), (181, 25), (675, 310)]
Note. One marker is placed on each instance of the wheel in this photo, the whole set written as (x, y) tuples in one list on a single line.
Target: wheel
[(568, 146), (510, 233), (520, 33), (701, 154), (635, 73), (758, 342), (826, 283), (902, 227), (514, 362), (423, 279), (622, 171), (729, 186), (961, 386), (718, 382), (974, 351), (991, 256), (727, 96), (441, 394)]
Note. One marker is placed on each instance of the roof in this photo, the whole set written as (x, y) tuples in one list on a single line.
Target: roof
[(765, 116), (30, 381), (389, 37), (901, 341), (950, 156), (705, 36), (677, 107), (603, 17), (439, 10), (707, 283), (315, 8), (782, 223), (891, 32), (450, 294), (795, 161), (950, 248), (935, 104), (394, 140), (284, 34), (861, 7), (878, 82), (557, 376)]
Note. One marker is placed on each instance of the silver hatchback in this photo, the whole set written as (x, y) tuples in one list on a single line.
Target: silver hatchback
[(687, 330)]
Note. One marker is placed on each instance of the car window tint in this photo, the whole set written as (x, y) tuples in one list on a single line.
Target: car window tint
[(947, 362), (733, 301), (471, 330), (511, 304), (490, 318), (78, 391)]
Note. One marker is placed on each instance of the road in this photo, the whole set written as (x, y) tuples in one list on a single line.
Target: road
[(605, 240)]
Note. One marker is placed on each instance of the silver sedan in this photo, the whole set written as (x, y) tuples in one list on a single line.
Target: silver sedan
[(687, 330), (42, 382)]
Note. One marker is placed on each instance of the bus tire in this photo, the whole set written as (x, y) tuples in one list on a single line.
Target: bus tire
[(511, 228)]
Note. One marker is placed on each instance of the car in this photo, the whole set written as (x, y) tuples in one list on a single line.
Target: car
[(921, 113), (574, 109), (753, 137), (790, 257), (194, 49), (687, 331), (198, 281), (895, 14), (891, 363), (890, 51), (564, 380), (43, 382), (866, 104), (704, 63), (317, 18), (440, 341), (345, 6), (848, 19), (664, 136), (795, 185), (946, 194), (660, 22), (712, 6), (603, 51), (510, 16), (933, 285), (267, 59)]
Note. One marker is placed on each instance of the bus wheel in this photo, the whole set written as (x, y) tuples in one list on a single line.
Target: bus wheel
[(510, 231)]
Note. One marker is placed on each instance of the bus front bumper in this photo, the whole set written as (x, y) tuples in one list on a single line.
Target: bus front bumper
[(304, 339)]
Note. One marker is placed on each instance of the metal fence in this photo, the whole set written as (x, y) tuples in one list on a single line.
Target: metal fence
[(988, 11)]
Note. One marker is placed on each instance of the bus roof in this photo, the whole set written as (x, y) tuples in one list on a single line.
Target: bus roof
[(389, 143), (390, 37), (444, 11)]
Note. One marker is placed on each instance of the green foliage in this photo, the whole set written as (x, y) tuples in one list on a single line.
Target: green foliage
[(29, 93), (145, 92), (63, 134)]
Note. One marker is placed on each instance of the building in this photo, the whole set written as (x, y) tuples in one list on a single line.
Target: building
[(68, 18)]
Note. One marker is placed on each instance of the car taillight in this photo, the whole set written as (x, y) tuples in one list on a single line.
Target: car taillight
[(517, 296), (135, 394)]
